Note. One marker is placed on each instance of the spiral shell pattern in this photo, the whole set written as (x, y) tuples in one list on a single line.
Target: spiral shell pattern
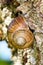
[(1, 34), (18, 33)]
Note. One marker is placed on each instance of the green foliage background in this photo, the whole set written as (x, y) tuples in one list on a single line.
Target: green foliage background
[(5, 62)]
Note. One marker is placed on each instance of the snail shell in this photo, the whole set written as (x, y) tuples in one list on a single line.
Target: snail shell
[(1, 34), (18, 33)]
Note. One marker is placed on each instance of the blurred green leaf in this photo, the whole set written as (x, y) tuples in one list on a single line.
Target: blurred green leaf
[(4, 62)]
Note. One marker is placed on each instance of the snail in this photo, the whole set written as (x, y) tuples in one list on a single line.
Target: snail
[(1, 34), (19, 34)]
